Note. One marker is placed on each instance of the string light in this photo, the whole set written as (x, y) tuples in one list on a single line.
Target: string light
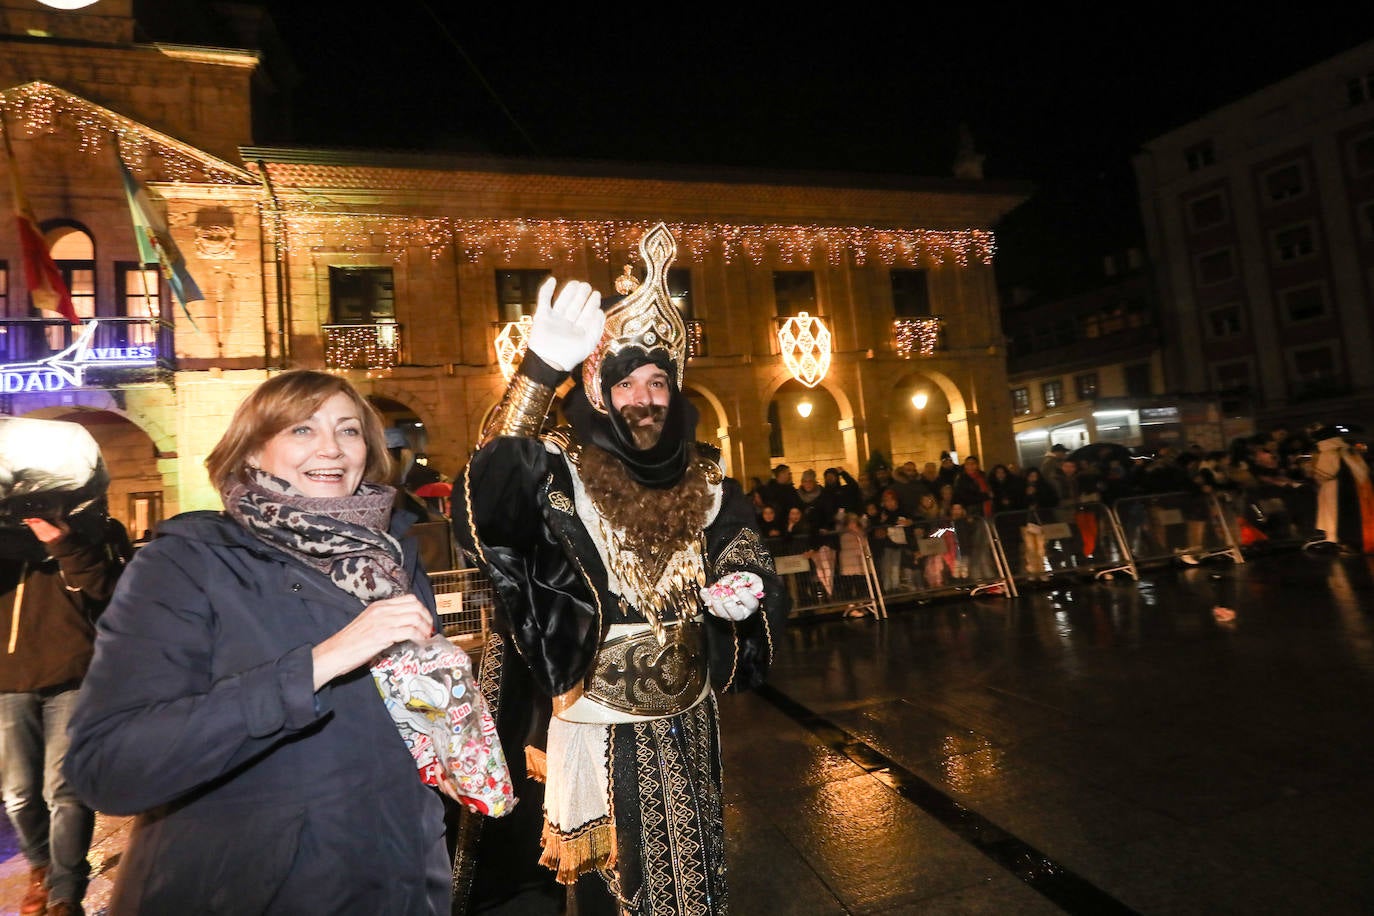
[(917, 336), (805, 344), (362, 346)]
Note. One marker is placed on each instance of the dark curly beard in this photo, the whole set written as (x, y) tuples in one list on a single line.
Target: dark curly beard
[(645, 436), (656, 523)]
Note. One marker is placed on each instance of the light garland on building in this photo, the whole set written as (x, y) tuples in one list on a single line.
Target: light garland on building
[(916, 336), (805, 344), (40, 109), (362, 346)]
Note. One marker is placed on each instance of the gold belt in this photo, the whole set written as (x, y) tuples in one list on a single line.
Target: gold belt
[(636, 675)]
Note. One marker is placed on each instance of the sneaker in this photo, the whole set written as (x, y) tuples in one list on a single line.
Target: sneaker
[(36, 895)]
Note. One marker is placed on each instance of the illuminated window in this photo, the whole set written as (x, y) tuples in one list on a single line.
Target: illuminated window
[(4, 289), (1285, 183), (680, 290), (910, 294), (1020, 401), (794, 291), (74, 253), (137, 288), (1085, 386), (1053, 393), (361, 295)]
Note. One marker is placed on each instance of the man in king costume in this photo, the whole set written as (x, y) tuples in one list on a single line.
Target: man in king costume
[(632, 585)]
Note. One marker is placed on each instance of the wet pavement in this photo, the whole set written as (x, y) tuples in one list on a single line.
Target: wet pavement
[(1086, 748)]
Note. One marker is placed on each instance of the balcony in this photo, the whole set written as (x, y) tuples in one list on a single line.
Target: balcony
[(51, 353), (918, 336), (362, 346)]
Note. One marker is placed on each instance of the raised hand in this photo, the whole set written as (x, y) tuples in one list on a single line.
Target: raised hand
[(734, 597), (566, 330)]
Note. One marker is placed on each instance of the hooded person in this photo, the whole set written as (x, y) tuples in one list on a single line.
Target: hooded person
[(615, 544), (1345, 493)]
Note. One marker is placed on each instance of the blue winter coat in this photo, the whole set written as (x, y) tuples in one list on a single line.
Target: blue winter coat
[(255, 794)]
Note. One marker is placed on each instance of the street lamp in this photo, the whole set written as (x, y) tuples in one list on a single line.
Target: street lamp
[(804, 408), (66, 4), (918, 400)]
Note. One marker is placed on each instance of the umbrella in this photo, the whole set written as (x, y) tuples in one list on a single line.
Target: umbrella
[(1101, 454)]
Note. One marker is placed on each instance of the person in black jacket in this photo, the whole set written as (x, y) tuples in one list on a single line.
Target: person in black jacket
[(232, 703), (56, 581)]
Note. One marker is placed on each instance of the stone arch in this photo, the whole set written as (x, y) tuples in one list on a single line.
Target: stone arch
[(813, 439)]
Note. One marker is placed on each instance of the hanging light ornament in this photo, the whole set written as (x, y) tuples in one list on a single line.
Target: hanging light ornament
[(510, 345), (805, 343)]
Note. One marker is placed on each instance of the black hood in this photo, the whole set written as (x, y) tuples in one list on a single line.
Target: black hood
[(659, 466)]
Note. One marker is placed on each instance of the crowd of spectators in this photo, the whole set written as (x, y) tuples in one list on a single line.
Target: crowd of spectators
[(1269, 483)]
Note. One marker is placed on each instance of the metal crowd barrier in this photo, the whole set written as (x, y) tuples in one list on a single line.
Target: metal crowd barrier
[(1162, 527), (936, 557), (466, 602), (828, 572), (1085, 539), (1273, 517)]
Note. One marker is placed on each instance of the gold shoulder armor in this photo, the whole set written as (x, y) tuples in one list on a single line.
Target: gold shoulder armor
[(565, 439)]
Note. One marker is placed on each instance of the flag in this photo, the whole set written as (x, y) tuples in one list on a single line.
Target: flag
[(155, 244), (46, 286)]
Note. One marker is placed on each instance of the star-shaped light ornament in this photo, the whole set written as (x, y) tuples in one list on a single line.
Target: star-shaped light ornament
[(510, 344)]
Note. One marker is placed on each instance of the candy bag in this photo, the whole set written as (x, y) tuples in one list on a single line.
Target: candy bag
[(432, 696)]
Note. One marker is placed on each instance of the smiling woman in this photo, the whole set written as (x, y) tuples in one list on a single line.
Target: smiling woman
[(242, 641)]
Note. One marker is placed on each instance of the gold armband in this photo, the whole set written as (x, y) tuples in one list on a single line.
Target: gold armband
[(521, 412)]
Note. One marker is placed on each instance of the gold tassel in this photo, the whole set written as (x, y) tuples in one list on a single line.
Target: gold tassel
[(536, 764), (572, 856)]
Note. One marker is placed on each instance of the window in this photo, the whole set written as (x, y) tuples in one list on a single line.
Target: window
[(1232, 376), (517, 293), (1360, 89), (1205, 212), (74, 253), (1053, 393), (1020, 402), (1138, 380), (1215, 267), (4, 289), (1285, 183), (1085, 386), (1200, 155), (794, 291), (1223, 322), (910, 294), (1313, 364), (137, 288), (1293, 243), (1303, 303), (361, 295), (680, 290), (775, 449), (1362, 154)]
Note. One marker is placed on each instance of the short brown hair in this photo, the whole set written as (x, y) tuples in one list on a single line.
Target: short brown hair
[(276, 404)]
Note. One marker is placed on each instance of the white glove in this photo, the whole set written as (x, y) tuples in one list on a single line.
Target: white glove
[(735, 596), (565, 332)]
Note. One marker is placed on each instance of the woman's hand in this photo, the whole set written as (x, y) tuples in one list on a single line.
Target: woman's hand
[(380, 626), (46, 531)]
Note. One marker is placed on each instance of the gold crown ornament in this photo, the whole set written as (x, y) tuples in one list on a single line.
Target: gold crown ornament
[(646, 318)]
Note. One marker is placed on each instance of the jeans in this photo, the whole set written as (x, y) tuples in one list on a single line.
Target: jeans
[(54, 827)]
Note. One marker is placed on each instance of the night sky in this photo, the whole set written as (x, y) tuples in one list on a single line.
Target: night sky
[(1057, 98)]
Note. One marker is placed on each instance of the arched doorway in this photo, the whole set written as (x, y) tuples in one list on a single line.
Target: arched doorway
[(918, 421), (805, 428)]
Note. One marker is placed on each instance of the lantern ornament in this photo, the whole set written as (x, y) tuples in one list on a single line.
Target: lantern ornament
[(805, 343), (510, 345)]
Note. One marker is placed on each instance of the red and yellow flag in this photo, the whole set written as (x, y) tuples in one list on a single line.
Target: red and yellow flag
[(44, 280)]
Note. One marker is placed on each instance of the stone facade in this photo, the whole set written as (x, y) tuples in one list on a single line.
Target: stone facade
[(261, 228)]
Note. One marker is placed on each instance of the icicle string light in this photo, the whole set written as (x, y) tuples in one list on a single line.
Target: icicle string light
[(917, 336), (40, 109), (554, 240)]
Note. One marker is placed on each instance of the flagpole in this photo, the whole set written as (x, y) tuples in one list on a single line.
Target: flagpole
[(142, 267)]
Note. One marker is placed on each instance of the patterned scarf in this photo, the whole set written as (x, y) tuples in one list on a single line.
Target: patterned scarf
[(343, 537)]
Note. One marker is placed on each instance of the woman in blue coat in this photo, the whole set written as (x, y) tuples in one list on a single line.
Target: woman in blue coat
[(230, 703)]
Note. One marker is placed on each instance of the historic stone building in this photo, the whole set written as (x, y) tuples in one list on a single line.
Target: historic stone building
[(409, 274)]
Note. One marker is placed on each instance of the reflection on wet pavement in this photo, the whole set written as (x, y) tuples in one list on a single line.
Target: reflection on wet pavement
[(1086, 748)]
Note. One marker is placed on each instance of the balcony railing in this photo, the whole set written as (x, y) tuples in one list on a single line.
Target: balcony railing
[(362, 346), (918, 336), (107, 348)]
